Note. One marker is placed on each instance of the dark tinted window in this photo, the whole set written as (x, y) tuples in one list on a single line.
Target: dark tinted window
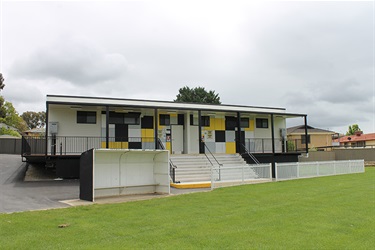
[(86, 117)]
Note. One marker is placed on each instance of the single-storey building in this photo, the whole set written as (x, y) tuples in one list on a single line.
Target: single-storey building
[(359, 139), (76, 124)]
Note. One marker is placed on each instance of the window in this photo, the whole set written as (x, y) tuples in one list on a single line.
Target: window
[(230, 123), (262, 123), (245, 123), (205, 121), (303, 139), (131, 118), (88, 117), (165, 120), (124, 118), (116, 118)]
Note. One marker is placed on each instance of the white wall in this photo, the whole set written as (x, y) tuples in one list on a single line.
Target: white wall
[(68, 126), (124, 172), (72, 136), (262, 132)]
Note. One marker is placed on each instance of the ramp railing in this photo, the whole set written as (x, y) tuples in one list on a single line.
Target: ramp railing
[(255, 160)]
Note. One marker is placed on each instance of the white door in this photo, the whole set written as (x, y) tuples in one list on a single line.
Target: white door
[(177, 139), (194, 140)]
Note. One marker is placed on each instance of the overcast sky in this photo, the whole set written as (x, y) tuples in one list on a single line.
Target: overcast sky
[(315, 58)]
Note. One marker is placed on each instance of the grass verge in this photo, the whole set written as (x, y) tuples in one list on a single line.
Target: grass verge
[(336, 212)]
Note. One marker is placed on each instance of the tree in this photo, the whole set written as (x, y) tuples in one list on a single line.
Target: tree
[(197, 95), (11, 117), (8, 131), (352, 129), (2, 108), (34, 119), (2, 85)]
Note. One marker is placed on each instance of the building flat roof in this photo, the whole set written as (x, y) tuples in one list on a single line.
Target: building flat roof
[(105, 101)]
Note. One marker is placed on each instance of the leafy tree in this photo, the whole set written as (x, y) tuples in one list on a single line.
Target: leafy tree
[(197, 95), (11, 117), (352, 129), (34, 119), (2, 108), (7, 131), (2, 85)]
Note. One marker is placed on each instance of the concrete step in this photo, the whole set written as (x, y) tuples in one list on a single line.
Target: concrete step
[(197, 168)]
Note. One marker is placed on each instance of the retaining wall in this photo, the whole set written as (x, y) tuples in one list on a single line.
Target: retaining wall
[(366, 154)]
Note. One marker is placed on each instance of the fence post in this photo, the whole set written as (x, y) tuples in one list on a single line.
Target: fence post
[(263, 146), (362, 166), (243, 177), (298, 170), (276, 170), (212, 178), (334, 167)]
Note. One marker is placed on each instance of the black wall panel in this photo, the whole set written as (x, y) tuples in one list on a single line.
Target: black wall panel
[(230, 123), (121, 132), (219, 136), (135, 145), (86, 176), (147, 122)]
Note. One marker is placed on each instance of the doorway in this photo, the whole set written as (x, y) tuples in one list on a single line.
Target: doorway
[(177, 139)]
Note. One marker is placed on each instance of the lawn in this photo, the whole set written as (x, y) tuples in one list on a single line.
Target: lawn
[(336, 212)]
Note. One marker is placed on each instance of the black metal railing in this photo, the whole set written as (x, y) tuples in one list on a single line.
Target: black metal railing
[(212, 155), (255, 160), (264, 145), (172, 167), (72, 145)]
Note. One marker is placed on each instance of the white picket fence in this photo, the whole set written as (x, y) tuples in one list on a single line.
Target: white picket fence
[(239, 175), (295, 170)]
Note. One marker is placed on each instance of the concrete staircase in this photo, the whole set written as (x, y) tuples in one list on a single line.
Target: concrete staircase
[(197, 168)]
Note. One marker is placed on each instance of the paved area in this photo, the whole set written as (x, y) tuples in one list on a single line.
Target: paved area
[(18, 195), (22, 190)]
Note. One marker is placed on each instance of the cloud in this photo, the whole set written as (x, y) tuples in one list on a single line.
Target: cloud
[(76, 60), (348, 91)]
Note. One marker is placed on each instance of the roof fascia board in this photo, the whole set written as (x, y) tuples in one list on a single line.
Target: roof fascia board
[(94, 101)]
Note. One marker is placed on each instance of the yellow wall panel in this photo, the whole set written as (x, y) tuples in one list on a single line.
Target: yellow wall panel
[(113, 144), (251, 126), (147, 133), (123, 145), (219, 124), (230, 147)]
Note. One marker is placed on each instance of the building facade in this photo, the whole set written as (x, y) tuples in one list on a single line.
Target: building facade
[(179, 127), (77, 124)]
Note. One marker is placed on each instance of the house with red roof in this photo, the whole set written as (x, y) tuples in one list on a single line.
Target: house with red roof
[(359, 139)]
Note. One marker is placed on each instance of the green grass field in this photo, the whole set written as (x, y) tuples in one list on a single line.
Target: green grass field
[(336, 212)]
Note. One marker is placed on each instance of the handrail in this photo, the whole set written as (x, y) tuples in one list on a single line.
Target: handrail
[(172, 167), (220, 165), (250, 154), (160, 144)]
